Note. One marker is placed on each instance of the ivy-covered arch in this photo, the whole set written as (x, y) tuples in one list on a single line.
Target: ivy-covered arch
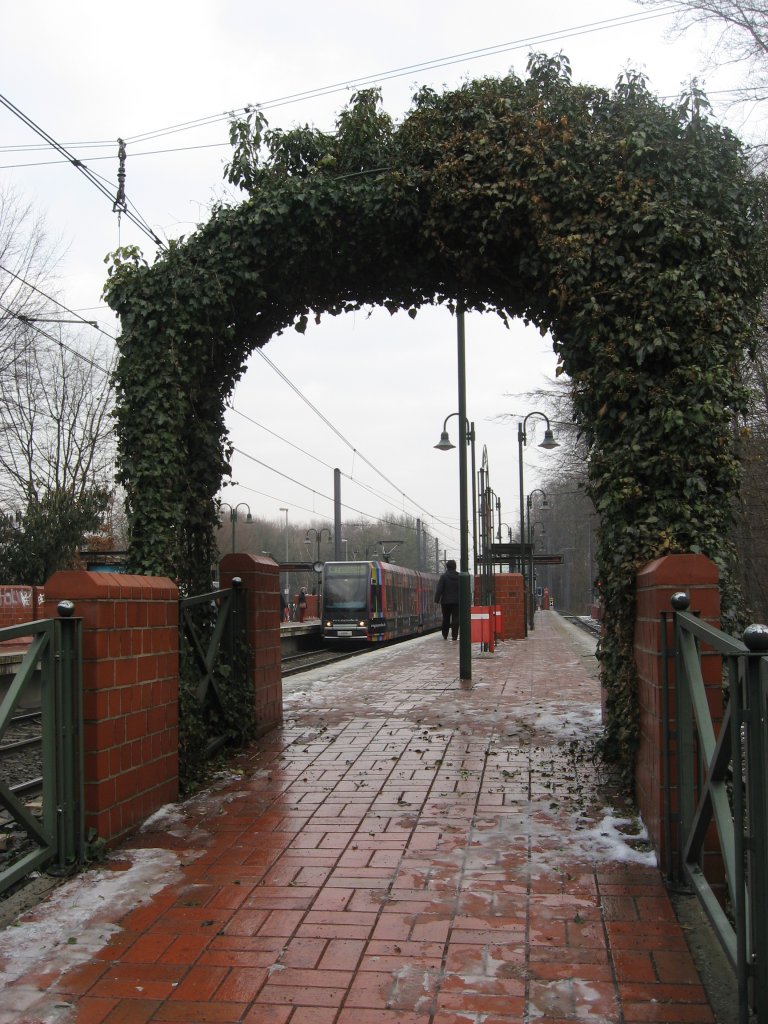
[(630, 230)]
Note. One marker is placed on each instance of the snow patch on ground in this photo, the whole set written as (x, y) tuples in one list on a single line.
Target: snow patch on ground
[(76, 920)]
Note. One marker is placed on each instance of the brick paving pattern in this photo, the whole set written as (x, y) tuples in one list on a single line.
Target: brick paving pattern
[(402, 851)]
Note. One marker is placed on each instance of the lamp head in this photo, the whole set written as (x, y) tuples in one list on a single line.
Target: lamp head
[(444, 444), (549, 440)]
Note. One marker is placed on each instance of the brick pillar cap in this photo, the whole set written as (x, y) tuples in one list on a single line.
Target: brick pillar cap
[(675, 570)]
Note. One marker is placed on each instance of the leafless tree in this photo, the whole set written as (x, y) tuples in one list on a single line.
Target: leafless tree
[(56, 430), (742, 35), (27, 261), (55, 419)]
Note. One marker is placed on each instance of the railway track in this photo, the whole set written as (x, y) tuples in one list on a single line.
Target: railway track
[(591, 626), (21, 756), (21, 770), (306, 660)]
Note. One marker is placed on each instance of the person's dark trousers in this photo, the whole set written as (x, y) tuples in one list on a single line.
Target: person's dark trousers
[(450, 620)]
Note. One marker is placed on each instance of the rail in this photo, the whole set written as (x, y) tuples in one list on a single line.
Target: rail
[(722, 779)]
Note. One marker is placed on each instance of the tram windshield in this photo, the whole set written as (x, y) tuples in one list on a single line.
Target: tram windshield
[(346, 587)]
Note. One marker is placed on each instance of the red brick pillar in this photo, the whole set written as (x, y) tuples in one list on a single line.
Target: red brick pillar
[(261, 580), (508, 595), (130, 694), (656, 583)]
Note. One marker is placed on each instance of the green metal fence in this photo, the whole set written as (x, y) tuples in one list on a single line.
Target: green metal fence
[(722, 779), (53, 831), (213, 650)]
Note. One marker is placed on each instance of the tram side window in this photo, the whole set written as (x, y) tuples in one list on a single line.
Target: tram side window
[(375, 599)]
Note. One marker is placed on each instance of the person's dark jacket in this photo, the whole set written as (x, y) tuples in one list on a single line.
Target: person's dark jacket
[(448, 588)]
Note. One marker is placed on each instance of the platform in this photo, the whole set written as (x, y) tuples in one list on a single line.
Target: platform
[(403, 850), (300, 636)]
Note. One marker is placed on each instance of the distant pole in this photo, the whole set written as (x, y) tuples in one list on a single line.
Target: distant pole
[(286, 577), (465, 594), (437, 555), (520, 446), (337, 515), (418, 544), (474, 497)]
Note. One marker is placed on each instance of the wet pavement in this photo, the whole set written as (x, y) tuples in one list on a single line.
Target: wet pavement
[(404, 850)]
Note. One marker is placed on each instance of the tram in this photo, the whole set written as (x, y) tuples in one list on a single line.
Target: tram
[(376, 601)]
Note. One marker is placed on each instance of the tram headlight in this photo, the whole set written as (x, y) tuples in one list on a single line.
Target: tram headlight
[(362, 623)]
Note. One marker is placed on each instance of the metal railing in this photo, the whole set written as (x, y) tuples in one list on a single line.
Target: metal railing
[(722, 779), (55, 834), (212, 643)]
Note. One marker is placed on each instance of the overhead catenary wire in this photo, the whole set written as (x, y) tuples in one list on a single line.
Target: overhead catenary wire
[(357, 83), (313, 490), (357, 483), (79, 165), (79, 319), (50, 298), (454, 59), (356, 451), (427, 65), (31, 322)]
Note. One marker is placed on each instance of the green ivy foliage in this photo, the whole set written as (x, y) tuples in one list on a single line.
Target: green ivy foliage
[(629, 229)]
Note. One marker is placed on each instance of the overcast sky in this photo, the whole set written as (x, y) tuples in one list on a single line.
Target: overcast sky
[(93, 72)]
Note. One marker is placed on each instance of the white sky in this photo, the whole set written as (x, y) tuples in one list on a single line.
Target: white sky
[(96, 71)]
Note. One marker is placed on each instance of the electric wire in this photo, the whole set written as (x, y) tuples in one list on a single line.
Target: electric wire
[(428, 65), (344, 86), (279, 437), (94, 179), (34, 321), (56, 302), (315, 458), (358, 483), (341, 437), (325, 497), (30, 322), (735, 92)]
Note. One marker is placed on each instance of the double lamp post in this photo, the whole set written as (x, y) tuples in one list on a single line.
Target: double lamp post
[(548, 442), (468, 436)]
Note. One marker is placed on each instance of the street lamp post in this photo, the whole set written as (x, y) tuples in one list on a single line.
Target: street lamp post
[(318, 537), (318, 565), (545, 506), (233, 516), (548, 442), (465, 593)]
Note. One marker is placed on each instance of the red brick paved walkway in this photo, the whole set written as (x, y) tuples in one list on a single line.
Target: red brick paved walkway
[(402, 851)]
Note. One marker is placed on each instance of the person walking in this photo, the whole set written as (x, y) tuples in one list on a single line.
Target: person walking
[(447, 596), (302, 604)]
